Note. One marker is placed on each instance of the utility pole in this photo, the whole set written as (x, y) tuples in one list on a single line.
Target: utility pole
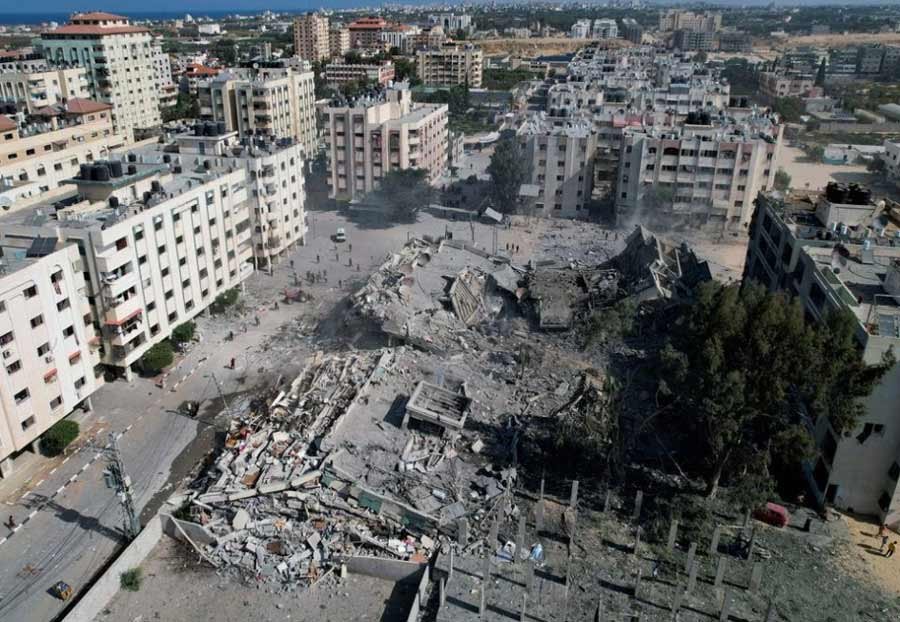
[(117, 478), (221, 395)]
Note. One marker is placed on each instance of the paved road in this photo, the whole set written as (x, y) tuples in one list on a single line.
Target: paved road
[(69, 523)]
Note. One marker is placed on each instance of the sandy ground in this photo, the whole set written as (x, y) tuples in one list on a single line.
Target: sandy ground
[(867, 559), (174, 589), (815, 175), (832, 40), (537, 46)]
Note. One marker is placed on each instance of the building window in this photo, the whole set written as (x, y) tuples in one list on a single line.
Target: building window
[(56, 402), (28, 423), (6, 338), (68, 331), (21, 396), (37, 320), (44, 349), (30, 292), (13, 367)]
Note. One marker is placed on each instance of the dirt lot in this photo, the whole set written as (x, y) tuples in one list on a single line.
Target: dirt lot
[(815, 175), (834, 40), (535, 46)]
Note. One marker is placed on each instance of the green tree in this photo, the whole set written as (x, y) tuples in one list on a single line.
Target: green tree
[(224, 300), (187, 106), (508, 171), (158, 357), (131, 579), (790, 108), (405, 69), (815, 152), (184, 332), (701, 57), (740, 361), (782, 180), (225, 50), (58, 437), (405, 192)]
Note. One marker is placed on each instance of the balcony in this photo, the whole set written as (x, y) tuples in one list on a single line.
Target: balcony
[(122, 311), (113, 285)]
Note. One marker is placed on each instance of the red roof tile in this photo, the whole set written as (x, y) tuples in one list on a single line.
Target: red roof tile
[(78, 105), (7, 124)]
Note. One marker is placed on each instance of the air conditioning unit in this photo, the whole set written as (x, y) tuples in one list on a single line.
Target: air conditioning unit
[(7, 354), (48, 358)]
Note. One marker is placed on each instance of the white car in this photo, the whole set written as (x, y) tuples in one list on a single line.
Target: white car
[(341, 235)]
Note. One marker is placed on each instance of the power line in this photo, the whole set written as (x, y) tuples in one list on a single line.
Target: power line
[(117, 478)]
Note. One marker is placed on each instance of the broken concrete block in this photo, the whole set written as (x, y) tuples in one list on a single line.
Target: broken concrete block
[(241, 518), (267, 489), (477, 446)]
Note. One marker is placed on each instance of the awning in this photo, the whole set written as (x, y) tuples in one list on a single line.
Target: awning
[(74, 355), (131, 315), (50, 374)]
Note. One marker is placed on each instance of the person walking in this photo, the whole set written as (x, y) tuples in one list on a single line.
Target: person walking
[(11, 523), (884, 541), (891, 548), (232, 362)]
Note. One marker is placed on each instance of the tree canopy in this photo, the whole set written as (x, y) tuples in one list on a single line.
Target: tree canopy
[(508, 171), (405, 192), (790, 108), (741, 364)]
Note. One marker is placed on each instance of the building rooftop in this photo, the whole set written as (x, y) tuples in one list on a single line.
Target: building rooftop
[(540, 124)]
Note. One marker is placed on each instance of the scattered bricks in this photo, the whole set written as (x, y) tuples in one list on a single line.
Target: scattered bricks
[(721, 566), (692, 577), (755, 578), (714, 542), (673, 536), (692, 550), (638, 502)]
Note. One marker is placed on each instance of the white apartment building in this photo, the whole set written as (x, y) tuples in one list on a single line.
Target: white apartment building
[(786, 84), (158, 241), (677, 19), (269, 100), (39, 155), (837, 251), (581, 29), (560, 158), (370, 137), (891, 159), (450, 65), (274, 177), (338, 73), (162, 65), (700, 173), (33, 90), (311, 37), (452, 22), (401, 36), (605, 29), (49, 346)]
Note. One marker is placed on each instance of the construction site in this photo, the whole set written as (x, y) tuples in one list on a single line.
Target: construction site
[(420, 472)]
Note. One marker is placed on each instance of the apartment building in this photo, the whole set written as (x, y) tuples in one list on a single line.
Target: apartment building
[(338, 73), (119, 61), (605, 29), (891, 159), (16, 61), (30, 90), (311, 37), (837, 251), (158, 243), (365, 33), (400, 36), (676, 19), (268, 99), (338, 41), (694, 40), (581, 29), (49, 148), (275, 180), (560, 158), (453, 22), (195, 74), (450, 65), (703, 173), (162, 65), (48, 342), (733, 41), (774, 84), (372, 136), (632, 31)]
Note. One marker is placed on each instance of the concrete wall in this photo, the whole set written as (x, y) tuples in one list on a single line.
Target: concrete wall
[(91, 604), (381, 568), (420, 598)]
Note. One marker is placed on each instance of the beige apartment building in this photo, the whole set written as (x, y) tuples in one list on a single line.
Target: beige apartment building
[(561, 162), (158, 243), (311, 38), (49, 149), (701, 175), (338, 73), (365, 33), (338, 41), (48, 343), (373, 136), (33, 90), (119, 61), (450, 65), (792, 84), (678, 19), (836, 251), (274, 100)]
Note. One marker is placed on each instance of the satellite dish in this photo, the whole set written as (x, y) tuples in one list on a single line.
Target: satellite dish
[(5, 203)]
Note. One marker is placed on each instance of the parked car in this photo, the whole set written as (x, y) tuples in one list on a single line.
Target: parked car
[(340, 235), (773, 514)]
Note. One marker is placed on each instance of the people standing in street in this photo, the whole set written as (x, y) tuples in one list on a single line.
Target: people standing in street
[(884, 541), (232, 362), (891, 548)]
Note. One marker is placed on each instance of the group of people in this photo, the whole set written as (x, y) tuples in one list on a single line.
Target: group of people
[(891, 546)]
